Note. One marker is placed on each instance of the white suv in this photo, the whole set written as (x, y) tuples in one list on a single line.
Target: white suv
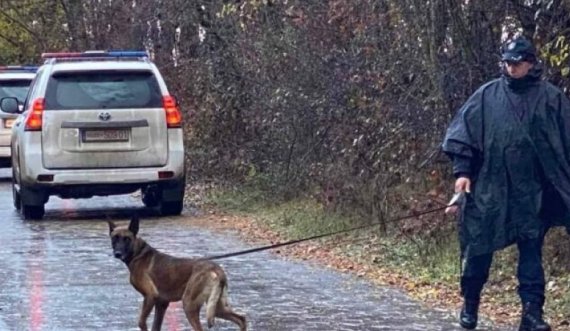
[(14, 82), (97, 123)]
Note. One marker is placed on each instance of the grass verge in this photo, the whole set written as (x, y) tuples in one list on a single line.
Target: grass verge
[(426, 266)]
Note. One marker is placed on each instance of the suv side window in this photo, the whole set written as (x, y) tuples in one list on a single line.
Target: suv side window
[(33, 88)]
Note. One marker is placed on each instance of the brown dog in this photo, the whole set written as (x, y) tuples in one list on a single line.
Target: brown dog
[(162, 279)]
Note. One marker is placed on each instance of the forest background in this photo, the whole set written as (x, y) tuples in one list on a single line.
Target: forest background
[(315, 115)]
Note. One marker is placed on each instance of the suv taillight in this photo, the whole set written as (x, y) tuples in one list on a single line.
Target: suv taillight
[(173, 116), (34, 119)]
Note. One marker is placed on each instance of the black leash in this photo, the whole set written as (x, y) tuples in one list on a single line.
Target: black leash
[(291, 242)]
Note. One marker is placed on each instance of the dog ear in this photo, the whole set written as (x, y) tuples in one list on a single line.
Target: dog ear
[(134, 224), (112, 227)]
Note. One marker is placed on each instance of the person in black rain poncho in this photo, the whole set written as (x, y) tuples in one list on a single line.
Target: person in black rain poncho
[(510, 147)]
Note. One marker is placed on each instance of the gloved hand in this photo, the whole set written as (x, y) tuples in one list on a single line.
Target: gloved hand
[(462, 186)]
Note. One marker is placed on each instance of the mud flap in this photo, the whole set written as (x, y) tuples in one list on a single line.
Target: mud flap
[(173, 191)]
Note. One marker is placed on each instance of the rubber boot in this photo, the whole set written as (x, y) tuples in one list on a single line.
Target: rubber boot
[(468, 315), (531, 319)]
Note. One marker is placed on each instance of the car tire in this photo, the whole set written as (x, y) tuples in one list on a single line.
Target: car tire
[(16, 199), (171, 208), (31, 212)]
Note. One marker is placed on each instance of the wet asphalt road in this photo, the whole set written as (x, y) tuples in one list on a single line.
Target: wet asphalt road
[(59, 274)]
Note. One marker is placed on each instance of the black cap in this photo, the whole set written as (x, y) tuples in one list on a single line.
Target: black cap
[(518, 49)]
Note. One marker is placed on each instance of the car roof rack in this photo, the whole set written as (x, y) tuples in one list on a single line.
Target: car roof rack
[(112, 55), (26, 68)]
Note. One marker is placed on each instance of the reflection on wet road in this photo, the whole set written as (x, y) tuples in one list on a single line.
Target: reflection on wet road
[(59, 274)]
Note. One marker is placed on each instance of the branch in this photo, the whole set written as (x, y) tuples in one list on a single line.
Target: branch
[(22, 25), (9, 40)]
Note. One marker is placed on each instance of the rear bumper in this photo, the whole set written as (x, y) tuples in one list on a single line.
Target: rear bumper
[(31, 167), (5, 152), (111, 176), (5, 144)]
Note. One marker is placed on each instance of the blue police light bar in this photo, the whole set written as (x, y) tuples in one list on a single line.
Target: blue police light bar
[(96, 54), (128, 53), (19, 68)]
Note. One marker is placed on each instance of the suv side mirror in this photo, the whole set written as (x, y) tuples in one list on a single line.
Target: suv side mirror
[(10, 105)]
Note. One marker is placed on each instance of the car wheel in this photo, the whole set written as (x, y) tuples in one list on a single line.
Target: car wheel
[(33, 212), (171, 208)]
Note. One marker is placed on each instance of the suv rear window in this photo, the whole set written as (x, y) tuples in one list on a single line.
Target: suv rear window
[(16, 88), (100, 89)]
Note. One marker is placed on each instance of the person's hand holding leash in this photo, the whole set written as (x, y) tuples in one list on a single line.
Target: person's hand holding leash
[(462, 185)]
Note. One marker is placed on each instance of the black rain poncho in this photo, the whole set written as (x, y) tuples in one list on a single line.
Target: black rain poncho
[(512, 137)]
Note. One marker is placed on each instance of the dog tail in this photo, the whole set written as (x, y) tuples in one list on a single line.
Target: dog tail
[(213, 299)]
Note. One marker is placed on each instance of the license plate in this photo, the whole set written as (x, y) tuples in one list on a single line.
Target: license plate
[(106, 135), (9, 122)]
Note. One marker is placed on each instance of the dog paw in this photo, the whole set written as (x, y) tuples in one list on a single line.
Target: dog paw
[(210, 323)]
